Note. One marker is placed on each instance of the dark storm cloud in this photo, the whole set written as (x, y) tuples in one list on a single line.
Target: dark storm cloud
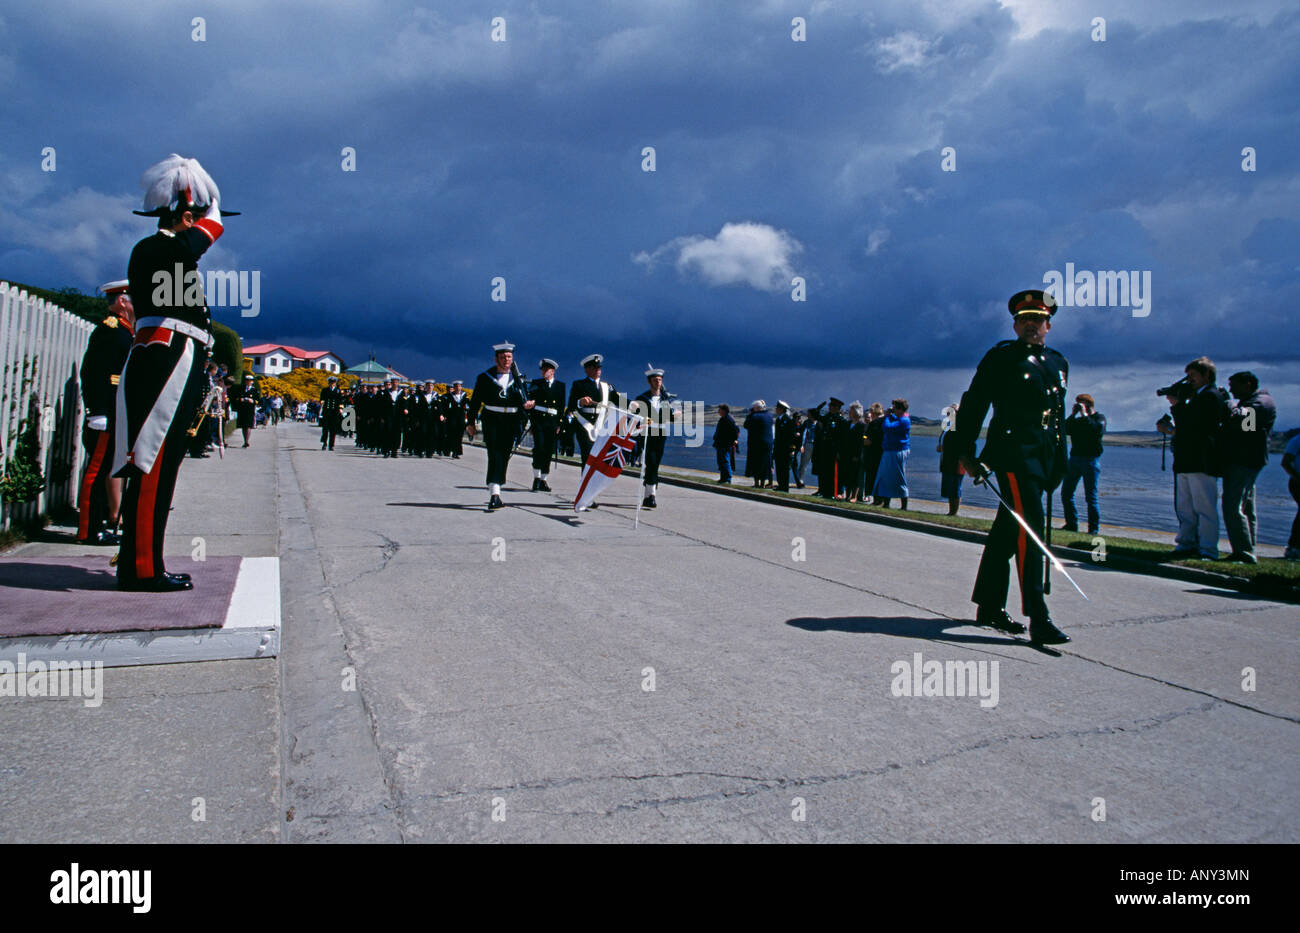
[(819, 159)]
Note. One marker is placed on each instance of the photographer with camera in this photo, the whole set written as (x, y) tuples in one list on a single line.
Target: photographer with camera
[(1198, 410), (1084, 428), (1245, 452)]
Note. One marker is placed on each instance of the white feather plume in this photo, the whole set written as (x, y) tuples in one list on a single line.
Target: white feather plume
[(165, 183)]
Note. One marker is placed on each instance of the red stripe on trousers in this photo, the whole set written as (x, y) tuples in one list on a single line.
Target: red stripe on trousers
[(1020, 537), (88, 485), (144, 519)]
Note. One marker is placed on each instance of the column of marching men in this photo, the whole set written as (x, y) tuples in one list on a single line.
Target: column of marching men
[(394, 418)]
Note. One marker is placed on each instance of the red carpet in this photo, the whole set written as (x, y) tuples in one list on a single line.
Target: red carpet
[(79, 595)]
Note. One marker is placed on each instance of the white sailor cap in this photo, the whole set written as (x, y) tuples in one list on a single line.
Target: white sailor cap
[(595, 359), (457, 382), (333, 379), (651, 371), (113, 288), (547, 363), (503, 347), (782, 403)]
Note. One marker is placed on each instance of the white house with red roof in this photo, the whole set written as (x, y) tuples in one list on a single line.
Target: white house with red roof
[(276, 359)]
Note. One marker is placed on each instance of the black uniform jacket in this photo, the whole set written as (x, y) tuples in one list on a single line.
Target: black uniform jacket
[(101, 367), (1025, 386), (488, 393)]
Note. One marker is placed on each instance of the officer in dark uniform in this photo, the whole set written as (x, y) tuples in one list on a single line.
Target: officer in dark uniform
[(1024, 381), (100, 496), (392, 418), (331, 413), (826, 445), (786, 445), (246, 399), (163, 378), (655, 405), (455, 406), (588, 398), (547, 394), (501, 399)]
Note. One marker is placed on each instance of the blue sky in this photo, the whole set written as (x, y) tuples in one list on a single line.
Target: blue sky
[(822, 159)]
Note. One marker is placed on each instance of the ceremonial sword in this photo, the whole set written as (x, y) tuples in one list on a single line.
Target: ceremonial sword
[(987, 480)]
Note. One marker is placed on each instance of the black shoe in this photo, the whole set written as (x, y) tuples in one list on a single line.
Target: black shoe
[(543, 486), (1242, 557), (1074, 528), (495, 503), (1043, 632), (183, 577), (798, 485), (998, 619), (535, 482), (103, 537), (165, 583)]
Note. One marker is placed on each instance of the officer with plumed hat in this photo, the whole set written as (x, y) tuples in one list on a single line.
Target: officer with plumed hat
[(163, 378)]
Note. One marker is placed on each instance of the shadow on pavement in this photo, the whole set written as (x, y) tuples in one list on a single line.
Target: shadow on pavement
[(906, 627)]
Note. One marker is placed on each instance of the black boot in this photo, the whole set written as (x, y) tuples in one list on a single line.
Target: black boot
[(1043, 632), (543, 486), (536, 483), (998, 619), (495, 503)]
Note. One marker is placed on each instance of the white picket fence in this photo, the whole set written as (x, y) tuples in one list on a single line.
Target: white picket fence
[(41, 346)]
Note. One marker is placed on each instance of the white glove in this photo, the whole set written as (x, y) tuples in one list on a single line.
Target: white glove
[(97, 422)]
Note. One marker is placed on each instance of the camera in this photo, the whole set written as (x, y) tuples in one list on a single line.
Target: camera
[(1181, 390)]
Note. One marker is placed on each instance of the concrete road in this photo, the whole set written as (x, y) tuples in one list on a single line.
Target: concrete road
[(726, 672)]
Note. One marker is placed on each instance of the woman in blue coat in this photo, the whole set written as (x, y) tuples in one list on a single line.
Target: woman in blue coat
[(761, 437), (891, 478)]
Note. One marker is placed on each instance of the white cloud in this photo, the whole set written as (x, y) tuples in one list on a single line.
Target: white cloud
[(747, 253), (878, 238), (902, 50)]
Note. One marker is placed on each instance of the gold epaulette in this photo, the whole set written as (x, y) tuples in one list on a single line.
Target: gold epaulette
[(110, 321)]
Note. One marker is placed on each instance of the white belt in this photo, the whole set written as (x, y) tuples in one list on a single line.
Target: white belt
[(181, 327), (590, 411), (502, 411), (545, 411)]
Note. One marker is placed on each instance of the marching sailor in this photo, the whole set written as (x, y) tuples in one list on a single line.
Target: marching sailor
[(162, 381), (588, 399), (1024, 382), (455, 408), (547, 394), (100, 498), (501, 398), (331, 413), (656, 406)]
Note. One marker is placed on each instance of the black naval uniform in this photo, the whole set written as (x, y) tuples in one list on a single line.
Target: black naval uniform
[(245, 399), (455, 406), (101, 369), (501, 409), (331, 416), (1025, 447), (826, 445), (785, 446), (656, 433), (545, 418), (161, 388), (586, 387)]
